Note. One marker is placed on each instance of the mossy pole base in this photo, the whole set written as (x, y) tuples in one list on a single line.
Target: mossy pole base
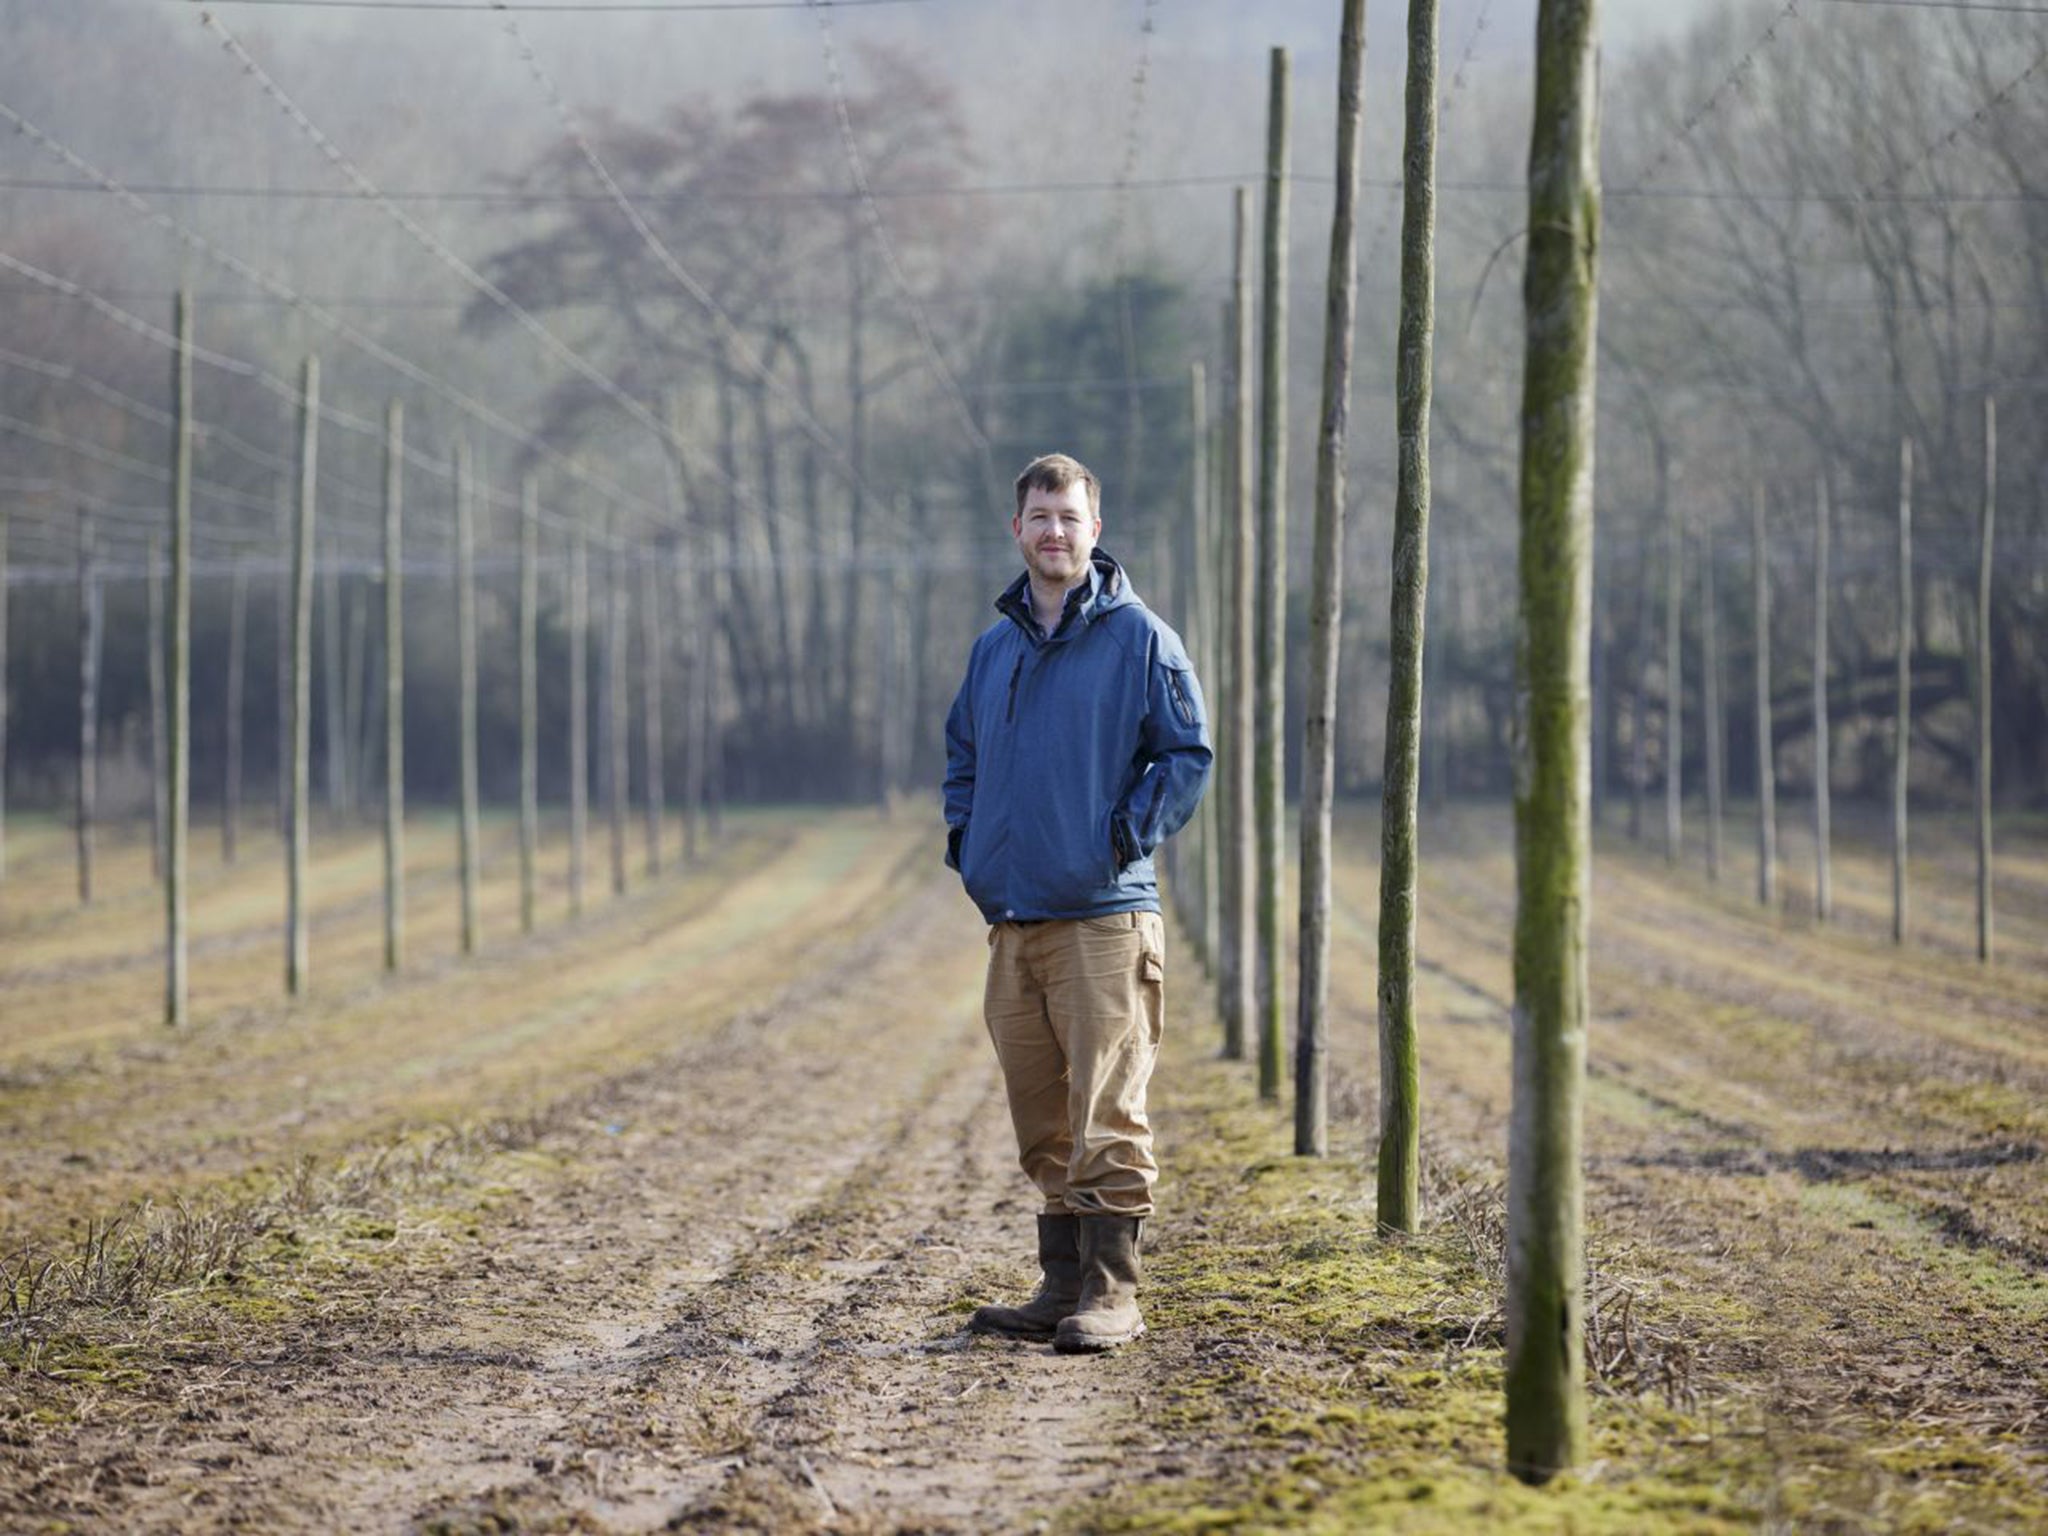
[(1546, 1406)]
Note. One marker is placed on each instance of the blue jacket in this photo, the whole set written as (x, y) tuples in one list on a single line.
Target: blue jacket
[(1070, 758)]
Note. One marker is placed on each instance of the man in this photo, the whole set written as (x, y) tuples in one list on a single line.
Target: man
[(1076, 746)]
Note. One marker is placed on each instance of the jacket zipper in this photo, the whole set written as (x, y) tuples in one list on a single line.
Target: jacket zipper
[(1010, 712), (1181, 706)]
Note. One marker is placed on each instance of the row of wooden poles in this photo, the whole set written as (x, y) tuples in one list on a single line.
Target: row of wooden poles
[(1760, 650), (1228, 893), (169, 655)]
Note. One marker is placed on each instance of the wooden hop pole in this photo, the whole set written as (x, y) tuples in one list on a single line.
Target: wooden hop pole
[(529, 702), (1766, 758), (1823, 895), (1208, 603), (579, 707), (88, 698), (651, 733), (238, 650), (1400, 1149), (1710, 696), (3, 692), (1240, 958), (465, 646), (1546, 1400), (1269, 686), (1982, 679), (1197, 594), (1326, 602), (153, 650), (179, 744), (394, 686), (297, 950), (616, 720), (1902, 706), (1674, 684)]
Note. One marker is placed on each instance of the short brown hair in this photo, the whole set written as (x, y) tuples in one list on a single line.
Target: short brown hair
[(1055, 472)]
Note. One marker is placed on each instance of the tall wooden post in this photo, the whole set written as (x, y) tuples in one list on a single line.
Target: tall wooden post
[(1206, 588), (1240, 949), (465, 649), (1674, 684), (1603, 692), (1546, 1406), (332, 667), (691, 602), (3, 693), (153, 650), (1710, 702), (179, 744), (617, 723), (1823, 894), (1269, 732), (287, 535), (238, 650), (529, 702), (88, 698), (651, 734), (1191, 564), (1902, 715), (1766, 757), (394, 685), (1400, 1150), (1326, 598), (1982, 678), (579, 706), (298, 958)]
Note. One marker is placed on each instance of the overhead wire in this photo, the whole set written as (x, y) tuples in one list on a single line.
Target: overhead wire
[(192, 240), (663, 432)]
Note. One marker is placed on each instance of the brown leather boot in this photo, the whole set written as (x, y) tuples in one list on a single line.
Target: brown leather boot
[(1108, 1311), (1059, 1288)]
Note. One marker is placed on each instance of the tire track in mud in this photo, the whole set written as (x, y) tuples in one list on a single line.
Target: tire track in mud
[(740, 1302)]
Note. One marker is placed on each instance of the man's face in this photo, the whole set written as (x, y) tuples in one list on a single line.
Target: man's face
[(1056, 533)]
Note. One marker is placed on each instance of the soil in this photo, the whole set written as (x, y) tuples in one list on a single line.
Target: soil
[(671, 1217)]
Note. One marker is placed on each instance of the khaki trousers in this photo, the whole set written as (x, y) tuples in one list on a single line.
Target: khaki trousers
[(1075, 1008)]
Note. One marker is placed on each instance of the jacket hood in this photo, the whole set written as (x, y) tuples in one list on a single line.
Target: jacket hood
[(1108, 588)]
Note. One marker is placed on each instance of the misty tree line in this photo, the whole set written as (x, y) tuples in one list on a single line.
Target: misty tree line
[(1801, 276)]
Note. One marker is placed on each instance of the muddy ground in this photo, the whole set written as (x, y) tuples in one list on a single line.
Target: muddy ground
[(670, 1216)]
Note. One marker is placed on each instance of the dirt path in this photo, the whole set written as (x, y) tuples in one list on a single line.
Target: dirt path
[(730, 1167), (722, 1295)]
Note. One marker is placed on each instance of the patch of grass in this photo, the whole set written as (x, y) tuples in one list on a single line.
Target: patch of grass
[(1986, 1275), (1335, 1381)]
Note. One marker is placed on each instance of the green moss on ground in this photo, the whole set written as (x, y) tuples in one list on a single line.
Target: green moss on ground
[(1327, 1380)]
